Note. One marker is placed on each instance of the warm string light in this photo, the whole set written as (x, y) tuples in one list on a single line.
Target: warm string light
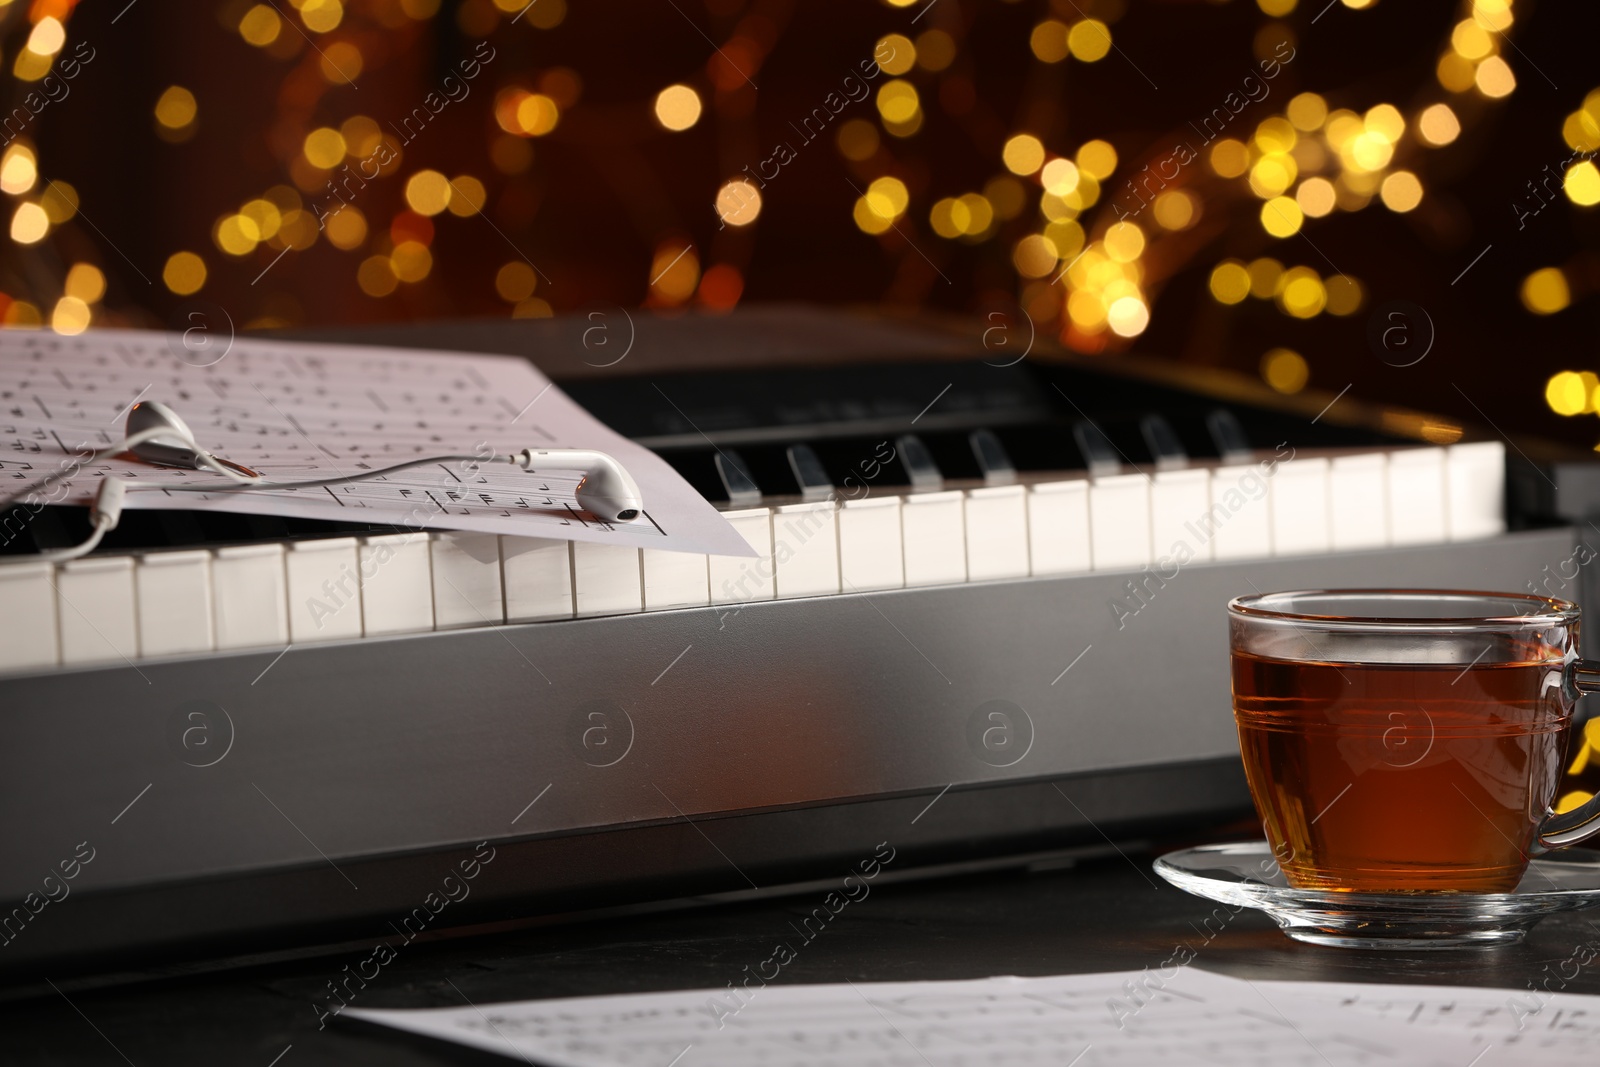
[(1082, 263)]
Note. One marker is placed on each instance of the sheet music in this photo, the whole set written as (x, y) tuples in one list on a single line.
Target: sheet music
[(1523, 1025), (1192, 1017), (293, 410)]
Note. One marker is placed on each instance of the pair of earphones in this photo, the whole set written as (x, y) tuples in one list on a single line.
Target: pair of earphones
[(157, 434)]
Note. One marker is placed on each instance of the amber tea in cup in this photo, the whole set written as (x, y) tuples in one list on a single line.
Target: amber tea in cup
[(1402, 741)]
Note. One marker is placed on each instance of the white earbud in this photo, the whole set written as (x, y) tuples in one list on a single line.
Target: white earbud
[(607, 491), (173, 444), (161, 436)]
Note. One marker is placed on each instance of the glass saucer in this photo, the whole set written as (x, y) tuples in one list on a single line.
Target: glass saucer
[(1245, 874)]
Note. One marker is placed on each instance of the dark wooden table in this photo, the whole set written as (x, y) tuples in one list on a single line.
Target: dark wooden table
[(1108, 912)]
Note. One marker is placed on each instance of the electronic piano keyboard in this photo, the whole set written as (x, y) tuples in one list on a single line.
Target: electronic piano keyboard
[(1004, 584)]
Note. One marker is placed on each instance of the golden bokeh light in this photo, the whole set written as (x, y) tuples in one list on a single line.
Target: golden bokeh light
[(1097, 159), (1265, 275), (1438, 125), (29, 223), (1316, 197), (898, 101), (1471, 40), (1230, 282), (70, 316), (1344, 295), (869, 221), (1275, 135), (1545, 291), (467, 196), (674, 272), (738, 202), (321, 16), (59, 201), (1176, 210), (1124, 242), (1308, 112), (346, 228), (47, 37), (341, 63), (1272, 175), (260, 25), (1128, 316), (678, 107), (895, 54), (86, 282), (1285, 370), (1302, 294), (19, 169), (1023, 154), (1049, 41), (376, 277), (1401, 191), (1581, 131), (324, 147), (1229, 158), (1581, 184), (1386, 121), (1090, 41), (1034, 256), (1567, 394), (516, 281), (428, 192), (175, 108), (1494, 78), (888, 197), (1275, 8), (411, 261), (536, 115), (1060, 177), (184, 273), (1281, 216)]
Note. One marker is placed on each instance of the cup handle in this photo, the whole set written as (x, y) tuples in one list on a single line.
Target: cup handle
[(1583, 821)]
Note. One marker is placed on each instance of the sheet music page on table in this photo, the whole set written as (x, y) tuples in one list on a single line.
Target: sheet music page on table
[(1539, 1025), (293, 410), (1089, 1020)]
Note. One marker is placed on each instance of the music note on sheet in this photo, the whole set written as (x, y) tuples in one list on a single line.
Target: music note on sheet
[(294, 410), (1193, 1017)]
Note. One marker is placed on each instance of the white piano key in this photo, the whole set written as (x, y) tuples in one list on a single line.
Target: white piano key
[(1416, 496), (249, 596), (805, 549), (466, 580), (675, 580), (1476, 490), (934, 535), (537, 573), (870, 556), (1119, 522), (28, 628), (1300, 524), (1058, 527), (1179, 499), (736, 579), (1239, 522), (396, 583), (997, 532), (324, 589), (1358, 501), (173, 590), (606, 579), (99, 623)]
